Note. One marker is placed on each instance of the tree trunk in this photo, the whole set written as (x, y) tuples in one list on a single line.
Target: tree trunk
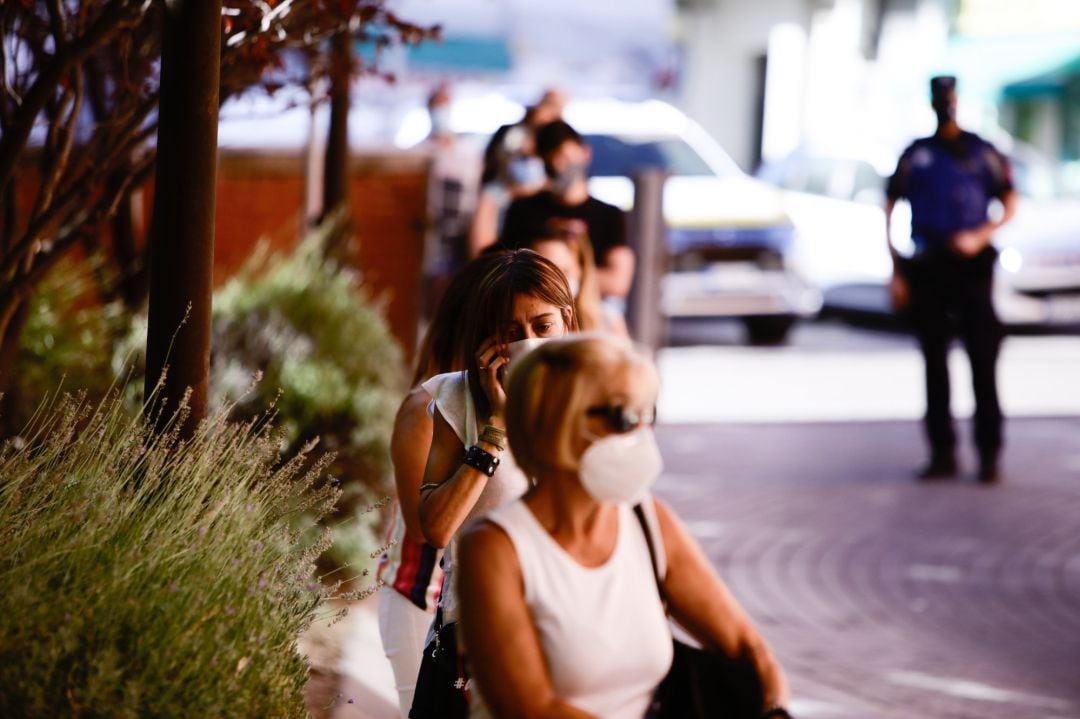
[(13, 313), (10, 207), (130, 258), (182, 234), (9, 353), (336, 167)]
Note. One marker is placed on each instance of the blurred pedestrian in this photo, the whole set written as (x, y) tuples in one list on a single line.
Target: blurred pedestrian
[(561, 611), (453, 183), (410, 569), (511, 168), (566, 243), (951, 180), (566, 159), (521, 300)]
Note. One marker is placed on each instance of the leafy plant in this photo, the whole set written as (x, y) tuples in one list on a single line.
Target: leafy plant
[(328, 366), (146, 576), (68, 339)]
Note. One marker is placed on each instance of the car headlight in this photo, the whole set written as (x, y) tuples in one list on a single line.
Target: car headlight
[(1011, 260)]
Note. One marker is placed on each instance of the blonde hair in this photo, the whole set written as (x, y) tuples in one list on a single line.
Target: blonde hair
[(548, 394)]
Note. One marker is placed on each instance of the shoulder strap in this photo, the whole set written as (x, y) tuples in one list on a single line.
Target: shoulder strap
[(640, 514)]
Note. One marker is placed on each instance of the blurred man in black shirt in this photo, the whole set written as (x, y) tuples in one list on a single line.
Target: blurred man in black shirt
[(566, 159)]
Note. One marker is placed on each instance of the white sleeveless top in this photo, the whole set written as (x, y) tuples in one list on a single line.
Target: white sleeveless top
[(603, 630), (451, 399)]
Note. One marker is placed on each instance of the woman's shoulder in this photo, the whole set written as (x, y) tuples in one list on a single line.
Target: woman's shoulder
[(417, 399), (450, 395), (414, 411), (444, 384), (486, 538)]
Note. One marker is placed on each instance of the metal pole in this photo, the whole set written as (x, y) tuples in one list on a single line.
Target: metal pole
[(648, 239)]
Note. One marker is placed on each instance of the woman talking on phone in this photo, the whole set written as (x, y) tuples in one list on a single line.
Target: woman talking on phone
[(521, 301)]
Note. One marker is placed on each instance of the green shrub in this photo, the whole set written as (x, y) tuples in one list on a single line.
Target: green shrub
[(145, 576), (329, 367), (68, 339)]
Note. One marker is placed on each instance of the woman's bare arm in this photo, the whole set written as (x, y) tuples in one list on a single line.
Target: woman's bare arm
[(498, 633), (699, 601), (444, 508), (410, 445)]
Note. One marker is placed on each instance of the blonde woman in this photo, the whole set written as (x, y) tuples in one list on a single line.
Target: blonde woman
[(560, 610)]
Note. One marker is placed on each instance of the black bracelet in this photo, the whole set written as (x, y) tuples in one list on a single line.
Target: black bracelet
[(776, 713), (481, 460)]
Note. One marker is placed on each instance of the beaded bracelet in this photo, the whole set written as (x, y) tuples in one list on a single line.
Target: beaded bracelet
[(493, 436)]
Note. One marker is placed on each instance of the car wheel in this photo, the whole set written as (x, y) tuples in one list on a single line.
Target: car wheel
[(768, 329)]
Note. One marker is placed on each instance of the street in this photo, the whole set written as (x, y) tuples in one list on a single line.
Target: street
[(883, 596)]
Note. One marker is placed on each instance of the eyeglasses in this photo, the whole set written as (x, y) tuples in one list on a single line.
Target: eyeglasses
[(620, 419)]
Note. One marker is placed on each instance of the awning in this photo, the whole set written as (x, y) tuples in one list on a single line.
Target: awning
[(1050, 84)]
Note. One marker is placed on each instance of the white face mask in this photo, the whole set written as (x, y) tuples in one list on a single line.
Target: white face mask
[(440, 120), (526, 171), (517, 350), (621, 467)]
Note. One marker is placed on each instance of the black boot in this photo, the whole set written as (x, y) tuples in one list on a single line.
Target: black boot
[(940, 466), (989, 472)]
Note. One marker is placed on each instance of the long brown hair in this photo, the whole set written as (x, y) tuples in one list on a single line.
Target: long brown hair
[(442, 349), (510, 274)]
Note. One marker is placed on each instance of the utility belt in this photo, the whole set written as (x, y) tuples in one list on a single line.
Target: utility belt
[(934, 248)]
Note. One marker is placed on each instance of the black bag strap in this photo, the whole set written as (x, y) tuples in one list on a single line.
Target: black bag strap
[(639, 512)]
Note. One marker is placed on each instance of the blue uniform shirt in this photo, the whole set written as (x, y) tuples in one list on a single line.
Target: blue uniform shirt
[(949, 184)]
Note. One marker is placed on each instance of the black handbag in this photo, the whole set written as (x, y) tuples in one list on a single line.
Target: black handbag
[(703, 684), (442, 690)]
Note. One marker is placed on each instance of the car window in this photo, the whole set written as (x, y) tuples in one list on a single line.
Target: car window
[(818, 177), (623, 157), (867, 179)]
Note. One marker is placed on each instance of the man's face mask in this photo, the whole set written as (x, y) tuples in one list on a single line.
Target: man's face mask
[(526, 171), (440, 120), (563, 179)]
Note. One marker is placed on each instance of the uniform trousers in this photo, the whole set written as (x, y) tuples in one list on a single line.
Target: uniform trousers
[(951, 295)]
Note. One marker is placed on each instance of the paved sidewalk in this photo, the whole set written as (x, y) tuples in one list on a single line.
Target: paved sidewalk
[(353, 679), (883, 597)]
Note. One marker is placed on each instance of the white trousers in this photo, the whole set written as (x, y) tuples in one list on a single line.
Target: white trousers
[(403, 627)]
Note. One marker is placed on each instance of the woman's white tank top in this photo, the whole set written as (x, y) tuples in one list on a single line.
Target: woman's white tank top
[(603, 630), (451, 398)]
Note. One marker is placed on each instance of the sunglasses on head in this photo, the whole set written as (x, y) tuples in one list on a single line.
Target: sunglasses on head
[(621, 419)]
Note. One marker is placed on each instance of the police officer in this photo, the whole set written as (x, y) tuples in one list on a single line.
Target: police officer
[(950, 180)]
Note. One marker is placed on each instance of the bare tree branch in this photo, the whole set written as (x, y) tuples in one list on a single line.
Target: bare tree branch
[(58, 22), (58, 160), (113, 18)]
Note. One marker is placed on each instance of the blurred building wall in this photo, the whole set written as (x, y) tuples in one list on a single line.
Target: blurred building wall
[(724, 46), (765, 75)]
